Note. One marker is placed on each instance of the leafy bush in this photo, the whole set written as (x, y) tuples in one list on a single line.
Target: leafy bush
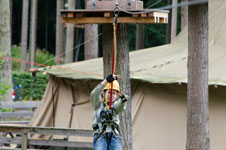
[(45, 57), (31, 90), (4, 88), (6, 110), (16, 54), (42, 56)]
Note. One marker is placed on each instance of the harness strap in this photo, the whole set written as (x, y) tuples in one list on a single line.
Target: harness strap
[(99, 119), (102, 126), (112, 123)]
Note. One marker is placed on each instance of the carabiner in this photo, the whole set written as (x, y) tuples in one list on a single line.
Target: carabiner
[(116, 14)]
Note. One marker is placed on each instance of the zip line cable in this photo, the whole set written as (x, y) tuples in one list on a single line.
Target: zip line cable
[(73, 48), (166, 7), (153, 4), (56, 67)]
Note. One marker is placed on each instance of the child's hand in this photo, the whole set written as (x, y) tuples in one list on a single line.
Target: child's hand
[(123, 97), (112, 77)]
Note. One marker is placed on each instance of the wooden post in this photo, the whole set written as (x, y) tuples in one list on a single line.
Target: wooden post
[(197, 89), (24, 141)]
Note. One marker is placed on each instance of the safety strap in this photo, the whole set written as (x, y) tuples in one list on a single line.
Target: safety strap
[(105, 101), (114, 54), (99, 119), (108, 122)]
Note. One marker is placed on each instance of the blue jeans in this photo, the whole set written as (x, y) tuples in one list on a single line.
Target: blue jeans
[(108, 141)]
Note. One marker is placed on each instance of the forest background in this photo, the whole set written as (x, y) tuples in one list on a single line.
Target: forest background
[(153, 35)]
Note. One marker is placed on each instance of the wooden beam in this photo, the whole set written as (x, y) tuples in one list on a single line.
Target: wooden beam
[(103, 20), (46, 130), (70, 15), (143, 15), (79, 15), (14, 122), (62, 143), (102, 16), (19, 104), (8, 148), (135, 15), (17, 114), (107, 14), (4, 140), (24, 141)]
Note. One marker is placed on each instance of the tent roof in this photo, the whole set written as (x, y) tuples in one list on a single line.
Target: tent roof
[(163, 64)]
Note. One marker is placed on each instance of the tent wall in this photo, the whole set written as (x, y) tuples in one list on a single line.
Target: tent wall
[(158, 112)]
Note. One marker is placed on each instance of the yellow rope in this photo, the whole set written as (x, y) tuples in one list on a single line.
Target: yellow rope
[(105, 99), (115, 45)]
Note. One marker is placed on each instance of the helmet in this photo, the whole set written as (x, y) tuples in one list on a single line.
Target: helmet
[(115, 86)]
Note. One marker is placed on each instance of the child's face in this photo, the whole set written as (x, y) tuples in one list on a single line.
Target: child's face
[(114, 94)]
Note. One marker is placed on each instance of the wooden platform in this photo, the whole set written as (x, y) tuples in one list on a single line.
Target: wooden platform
[(26, 130), (18, 112), (101, 16)]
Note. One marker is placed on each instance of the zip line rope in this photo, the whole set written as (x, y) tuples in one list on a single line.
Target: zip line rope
[(56, 67), (153, 4), (181, 4), (67, 51), (114, 51)]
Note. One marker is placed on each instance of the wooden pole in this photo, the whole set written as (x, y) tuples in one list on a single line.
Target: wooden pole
[(24, 141)]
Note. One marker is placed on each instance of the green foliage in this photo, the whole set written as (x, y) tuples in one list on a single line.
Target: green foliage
[(2, 54), (132, 36), (45, 57), (154, 35), (4, 88), (31, 90), (16, 54), (42, 56), (6, 110)]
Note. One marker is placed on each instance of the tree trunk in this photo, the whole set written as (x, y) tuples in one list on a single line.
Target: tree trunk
[(46, 24), (33, 31), (5, 45), (122, 68), (139, 36), (184, 15), (59, 33), (91, 47), (24, 34), (197, 90), (168, 26), (174, 20), (70, 36), (107, 48), (78, 34)]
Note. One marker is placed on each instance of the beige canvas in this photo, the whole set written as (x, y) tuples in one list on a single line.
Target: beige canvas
[(158, 113)]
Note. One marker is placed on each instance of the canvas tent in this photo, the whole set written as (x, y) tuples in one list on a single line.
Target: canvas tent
[(158, 87)]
